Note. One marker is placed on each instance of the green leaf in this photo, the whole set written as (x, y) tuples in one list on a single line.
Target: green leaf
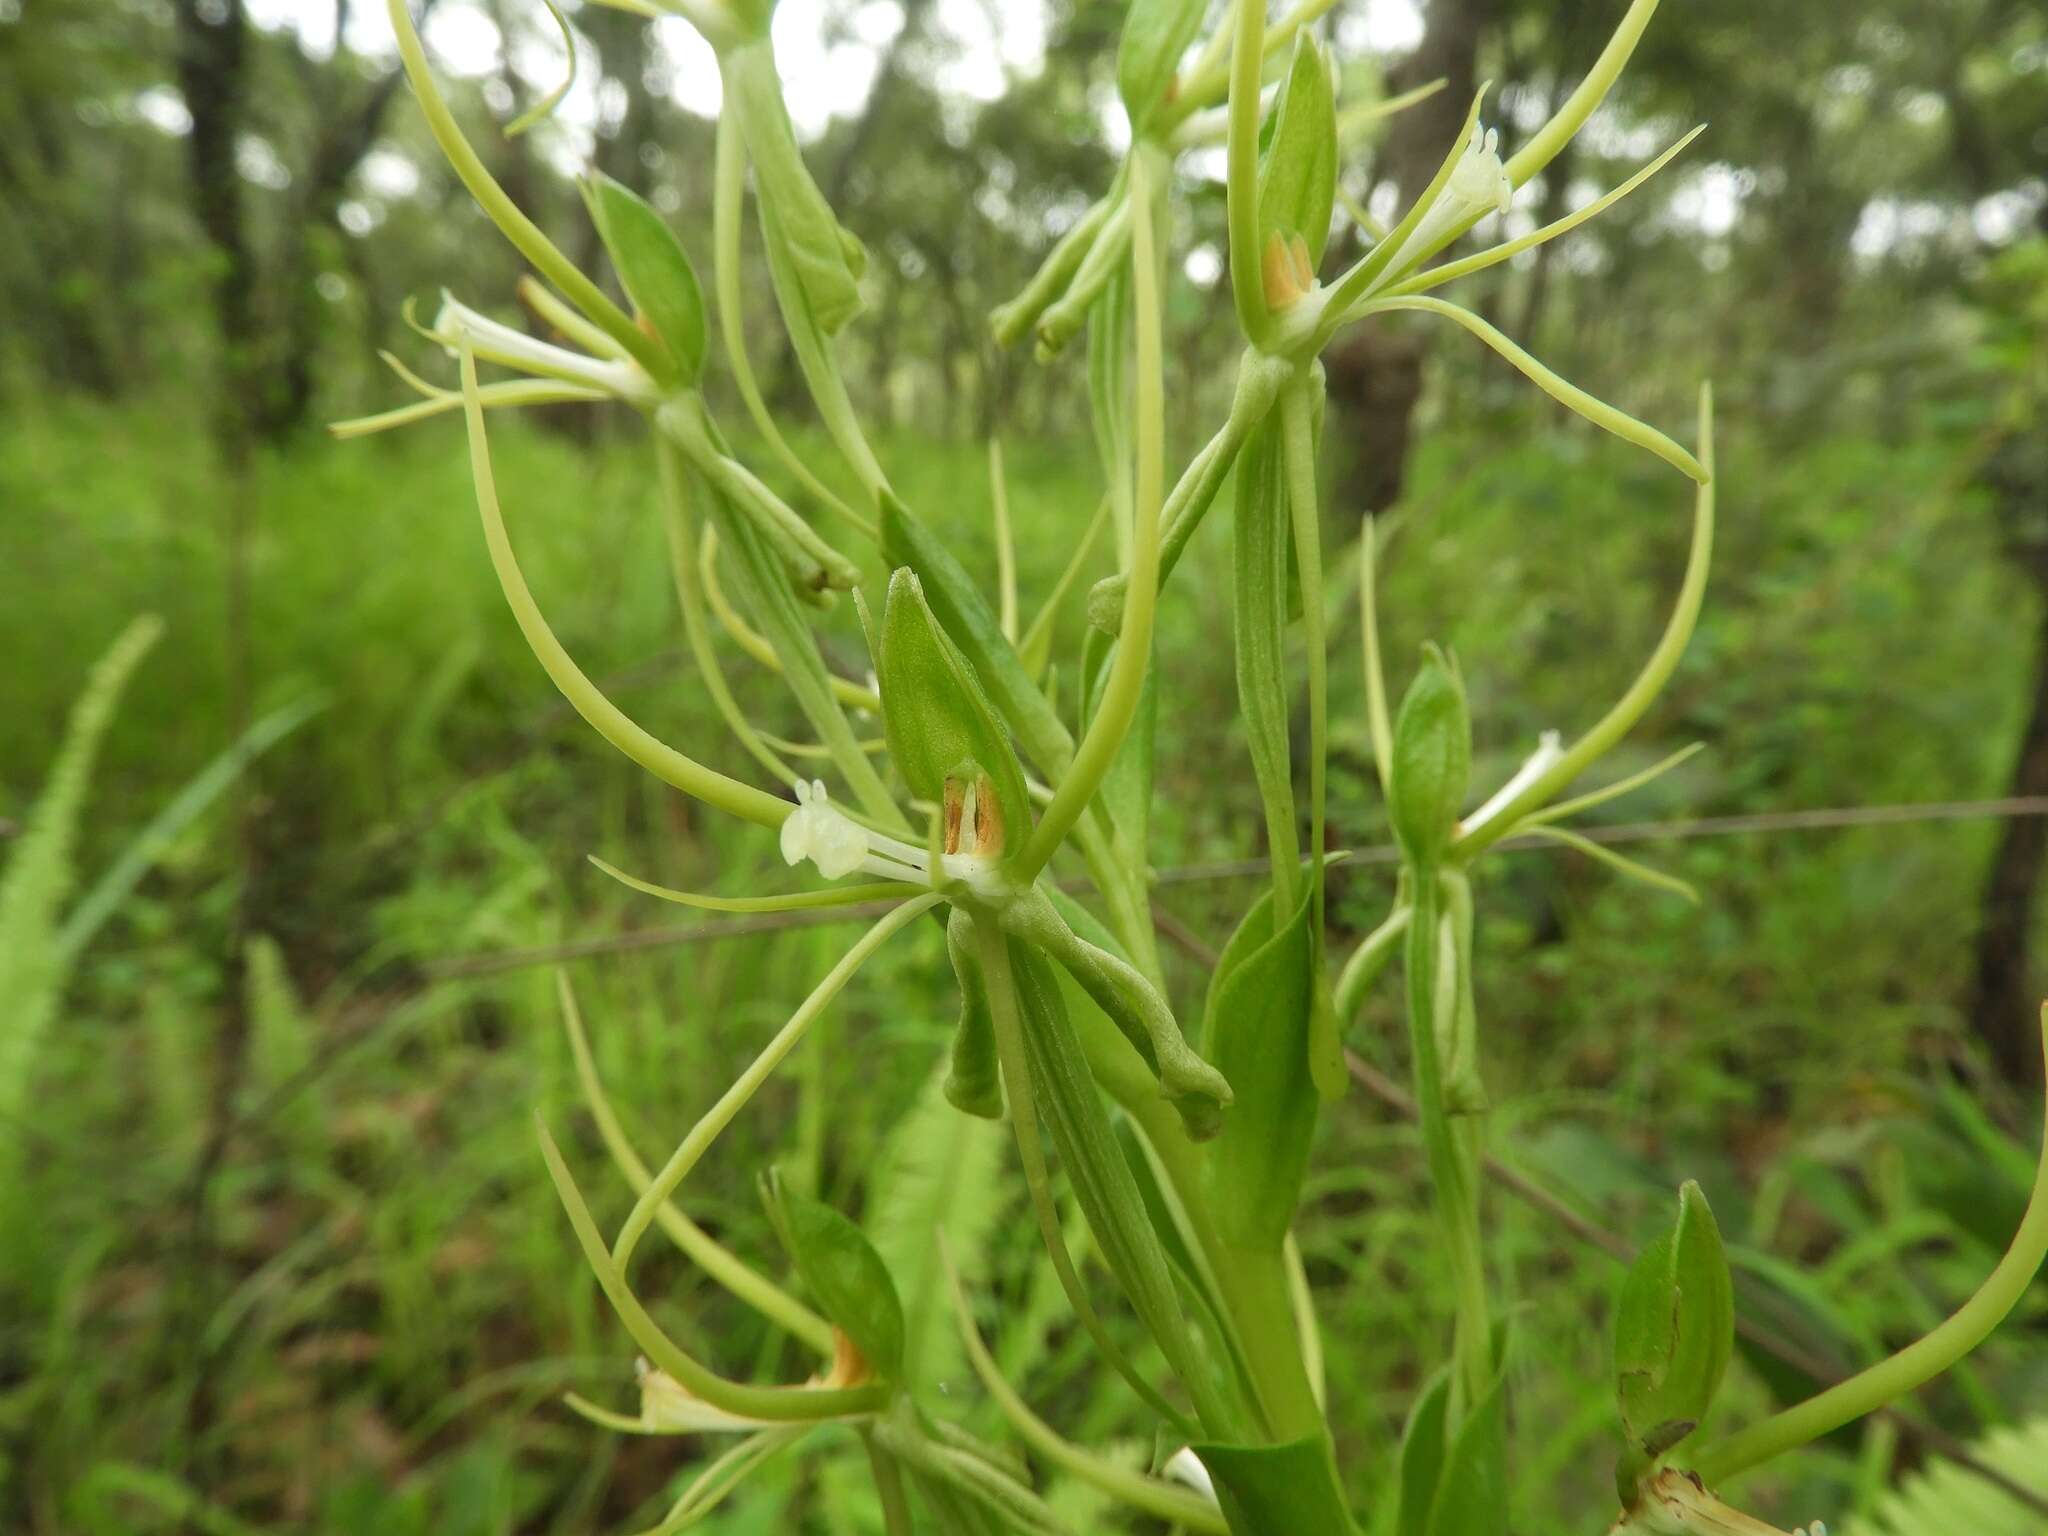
[(972, 625), (1432, 759), (1422, 1456), (939, 722), (1156, 33), (1267, 1490), (653, 269), (1298, 171), (1674, 1328), (1472, 1496), (1257, 1029), (842, 1271)]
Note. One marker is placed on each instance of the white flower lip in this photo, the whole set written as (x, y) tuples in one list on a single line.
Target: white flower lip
[(819, 831), (1549, 748), (1185, 1467), (457, 324), (1478, 182)]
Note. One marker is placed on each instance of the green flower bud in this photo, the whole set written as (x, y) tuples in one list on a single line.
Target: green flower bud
[(1432, 758)]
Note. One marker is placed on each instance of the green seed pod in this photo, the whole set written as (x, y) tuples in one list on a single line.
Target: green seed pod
[(1432, 759)]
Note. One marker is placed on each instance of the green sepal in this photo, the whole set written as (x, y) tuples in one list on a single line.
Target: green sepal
[(1156, 33), (974, 1082), (1432, 759), (653, 269), (1256, 1032), (1127, 789), (938, 720), (1674, 1329), (972, 625), (1267, 1490), (1298, 170), (842, 1271)]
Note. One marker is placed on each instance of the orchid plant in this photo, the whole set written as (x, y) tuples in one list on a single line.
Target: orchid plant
[(1183, 1143)]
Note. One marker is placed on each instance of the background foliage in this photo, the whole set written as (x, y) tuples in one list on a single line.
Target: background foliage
[(275, 1252)]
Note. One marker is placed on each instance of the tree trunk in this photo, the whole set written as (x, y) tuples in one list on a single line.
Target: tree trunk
[(1375, 378), (2005, 1002), (212, 68)]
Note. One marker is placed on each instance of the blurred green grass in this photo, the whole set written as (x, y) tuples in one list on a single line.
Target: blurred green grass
[(359, 1317)]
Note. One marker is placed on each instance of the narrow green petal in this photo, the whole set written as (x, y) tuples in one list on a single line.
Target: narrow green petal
[(1495, 254), (543, 109), (610, 722), (1617, 789), (1621, 864), (795, 901), (1566, 393)]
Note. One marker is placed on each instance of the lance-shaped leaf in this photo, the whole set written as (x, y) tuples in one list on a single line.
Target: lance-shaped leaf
[(1298, 170), (1269, 1489), (653, 269), (828, 261), (939, 721), (1156, 33), (1257, 1028), (1674, 1328), (842, 1271)]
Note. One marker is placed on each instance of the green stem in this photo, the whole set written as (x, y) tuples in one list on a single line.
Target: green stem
[(1298, 452), (1916, 1364), (1120, 693), (748, 1083), (1252, 1288), (1650, 682), (757, 1291), (1450, 1167), (896, 1519)]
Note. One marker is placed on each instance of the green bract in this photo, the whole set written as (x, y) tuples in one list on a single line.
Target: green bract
[(941, 726), (1674, 1329), (1298, 170), (653, 269), (1156, 33), (1432, 762), (842, 1271)]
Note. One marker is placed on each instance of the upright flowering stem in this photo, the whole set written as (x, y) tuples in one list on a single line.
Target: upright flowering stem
[(1120, 695), (1451, 1167)]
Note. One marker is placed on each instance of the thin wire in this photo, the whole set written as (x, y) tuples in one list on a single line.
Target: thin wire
[(1831, 818)]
